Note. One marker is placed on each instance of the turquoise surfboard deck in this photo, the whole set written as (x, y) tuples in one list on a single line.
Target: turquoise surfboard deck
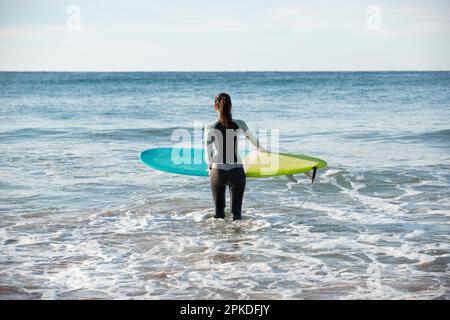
[(191, 161)]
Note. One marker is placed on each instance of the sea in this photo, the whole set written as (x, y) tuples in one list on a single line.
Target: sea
[(82, 218)]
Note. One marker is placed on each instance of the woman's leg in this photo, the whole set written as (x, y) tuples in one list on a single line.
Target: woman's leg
[(237, 182), (217, 180)]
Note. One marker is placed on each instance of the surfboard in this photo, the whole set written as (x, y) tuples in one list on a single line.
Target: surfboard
[(257, 164)]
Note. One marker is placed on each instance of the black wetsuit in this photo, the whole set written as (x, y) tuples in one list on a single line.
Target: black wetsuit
[(225, 166)]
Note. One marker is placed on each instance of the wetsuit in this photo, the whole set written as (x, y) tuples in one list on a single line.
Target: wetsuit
[(225, 165)]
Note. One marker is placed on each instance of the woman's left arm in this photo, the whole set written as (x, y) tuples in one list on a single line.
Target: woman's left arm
[(251, 136), (208, 148)]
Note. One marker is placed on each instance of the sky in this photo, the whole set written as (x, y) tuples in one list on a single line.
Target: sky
[(232, 35)]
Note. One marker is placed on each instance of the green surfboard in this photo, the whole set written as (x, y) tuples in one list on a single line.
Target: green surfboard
[(257, 164)]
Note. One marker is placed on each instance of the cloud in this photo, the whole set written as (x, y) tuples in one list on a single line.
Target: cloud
[(347, 16), (425, 28), (204, 25), (397, 20), (284, 11), (183, 26), (350, 16), (315, 17), (28, 32)]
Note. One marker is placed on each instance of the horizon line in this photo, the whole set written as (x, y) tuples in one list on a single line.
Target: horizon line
[(213, 71)]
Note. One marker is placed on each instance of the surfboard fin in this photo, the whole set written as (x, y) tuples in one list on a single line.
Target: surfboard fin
[(291, 178), (313, 175)]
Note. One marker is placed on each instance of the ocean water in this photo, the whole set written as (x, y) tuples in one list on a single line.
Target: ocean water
[(82, 218)]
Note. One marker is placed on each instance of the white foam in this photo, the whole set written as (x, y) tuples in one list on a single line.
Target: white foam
[(333, 244), (414, 234), (377, 204)]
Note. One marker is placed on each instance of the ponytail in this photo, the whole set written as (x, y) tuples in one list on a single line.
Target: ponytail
[(223, 102)]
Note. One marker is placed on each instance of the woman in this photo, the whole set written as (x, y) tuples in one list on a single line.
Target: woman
[(224, 164)]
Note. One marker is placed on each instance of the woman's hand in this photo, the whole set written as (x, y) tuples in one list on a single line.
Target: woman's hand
[(209, 169)]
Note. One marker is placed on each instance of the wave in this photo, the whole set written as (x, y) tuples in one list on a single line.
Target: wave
[(437, 136), (85, 134), (30, 133), (132, 134), (441, 135)]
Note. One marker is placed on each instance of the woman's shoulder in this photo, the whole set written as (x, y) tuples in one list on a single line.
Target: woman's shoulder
[(241, 124), (211, 125)]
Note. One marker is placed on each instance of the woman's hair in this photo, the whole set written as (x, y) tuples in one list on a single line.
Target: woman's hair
[(223, 102)]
